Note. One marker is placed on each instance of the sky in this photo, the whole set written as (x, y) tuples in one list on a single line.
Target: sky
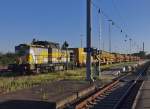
[(60, 20)]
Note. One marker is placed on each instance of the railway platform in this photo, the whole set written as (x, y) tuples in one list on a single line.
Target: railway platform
[(46, 96), (51, 95), (143, 98)]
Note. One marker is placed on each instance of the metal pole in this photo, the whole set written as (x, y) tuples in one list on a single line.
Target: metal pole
[(109, 30), (143, 47), (103, 45), (99, 41), (67, 59), (125, 47), (100, 34), (88, 29), (81, 40), (130, 47)]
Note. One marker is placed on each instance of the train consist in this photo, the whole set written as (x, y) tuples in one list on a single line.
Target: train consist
[(44, 56)]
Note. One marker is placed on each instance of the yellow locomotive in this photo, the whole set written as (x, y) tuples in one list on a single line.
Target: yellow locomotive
[(41, 56)]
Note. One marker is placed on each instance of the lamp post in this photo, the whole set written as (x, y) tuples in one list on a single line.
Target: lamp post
[(130, 46), (81, 40), (99, 42), (109, 33)]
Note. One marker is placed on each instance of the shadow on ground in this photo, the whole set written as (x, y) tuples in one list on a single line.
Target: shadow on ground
[(24, 104)]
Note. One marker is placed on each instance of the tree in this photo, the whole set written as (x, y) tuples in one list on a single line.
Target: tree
[(34, 40), (7, 58), (65, 46), (141, 54)]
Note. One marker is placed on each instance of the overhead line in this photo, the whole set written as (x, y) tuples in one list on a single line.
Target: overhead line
[(127, 36)]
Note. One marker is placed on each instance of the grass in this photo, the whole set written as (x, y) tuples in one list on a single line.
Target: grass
[(10, 84), (15, 83)]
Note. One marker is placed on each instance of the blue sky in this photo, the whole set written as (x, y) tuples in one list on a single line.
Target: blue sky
[(59, 20)]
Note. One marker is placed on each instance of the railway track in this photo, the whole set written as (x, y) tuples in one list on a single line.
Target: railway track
[(119, 94)]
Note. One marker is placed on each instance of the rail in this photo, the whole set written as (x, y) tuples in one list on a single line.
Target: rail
[(118, 105), (91, 100)]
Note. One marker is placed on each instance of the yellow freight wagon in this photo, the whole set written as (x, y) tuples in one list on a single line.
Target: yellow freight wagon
[(106, 57), (118, 57), (103, 57), (126, 58), (79, 56)]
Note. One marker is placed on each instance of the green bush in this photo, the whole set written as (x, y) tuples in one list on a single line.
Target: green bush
[(7, 58)]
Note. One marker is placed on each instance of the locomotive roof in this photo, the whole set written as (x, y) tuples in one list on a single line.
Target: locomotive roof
[(26, 45), (47, 44), (41, 44)]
